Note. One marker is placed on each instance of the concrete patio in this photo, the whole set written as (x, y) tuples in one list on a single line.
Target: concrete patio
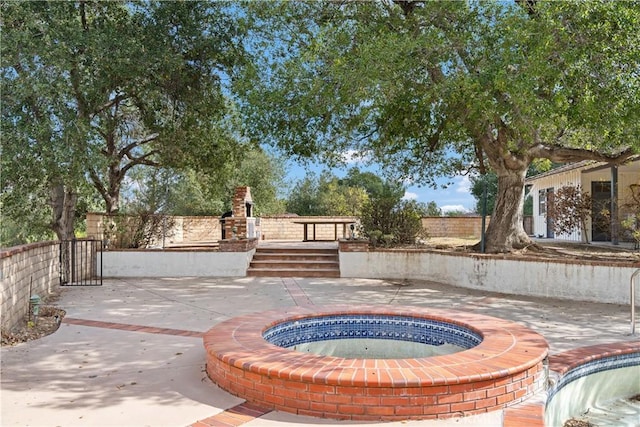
[(129, 353)]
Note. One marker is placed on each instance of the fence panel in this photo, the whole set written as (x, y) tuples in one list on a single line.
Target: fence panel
[(79, 262)]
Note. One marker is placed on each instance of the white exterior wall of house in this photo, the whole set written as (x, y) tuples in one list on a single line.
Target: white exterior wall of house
[(572, 177), (581, 175), (627, 179)]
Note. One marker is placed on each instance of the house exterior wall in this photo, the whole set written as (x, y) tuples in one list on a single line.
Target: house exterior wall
[(554, 182), (583, 176), (626, 180)]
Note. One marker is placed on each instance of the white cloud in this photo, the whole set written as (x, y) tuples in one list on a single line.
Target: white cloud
[(463, 185), (408, 195), (453, 208), (353, 156)]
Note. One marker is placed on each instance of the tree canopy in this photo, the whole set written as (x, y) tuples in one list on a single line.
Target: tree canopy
[(353, 194), (188, 191), (326, 194), (91, 90), (435, 88)]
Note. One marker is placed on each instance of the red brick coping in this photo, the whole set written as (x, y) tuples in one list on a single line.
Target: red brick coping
[(564, 362), (14, 250), (504, 369)]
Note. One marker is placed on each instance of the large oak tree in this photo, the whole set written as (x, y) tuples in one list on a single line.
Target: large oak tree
[(92, 89), (432, 88)]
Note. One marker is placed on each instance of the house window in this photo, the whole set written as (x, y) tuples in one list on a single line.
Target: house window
[(542, 202)]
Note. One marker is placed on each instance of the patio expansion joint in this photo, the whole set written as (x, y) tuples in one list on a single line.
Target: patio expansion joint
[(297, 294)]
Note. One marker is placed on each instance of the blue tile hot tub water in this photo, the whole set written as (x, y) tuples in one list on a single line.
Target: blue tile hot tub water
[(369, 336)]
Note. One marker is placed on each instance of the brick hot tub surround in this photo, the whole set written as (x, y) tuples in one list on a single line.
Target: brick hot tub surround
[(505, 368)]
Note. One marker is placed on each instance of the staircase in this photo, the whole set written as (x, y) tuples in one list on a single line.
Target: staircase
[(286, 261)]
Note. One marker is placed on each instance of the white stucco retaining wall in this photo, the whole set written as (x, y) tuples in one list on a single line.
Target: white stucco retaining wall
[(575, 281), (175, 263), (580, 281)]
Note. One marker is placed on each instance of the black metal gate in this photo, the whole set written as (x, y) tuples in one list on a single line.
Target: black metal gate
[(81, 262)]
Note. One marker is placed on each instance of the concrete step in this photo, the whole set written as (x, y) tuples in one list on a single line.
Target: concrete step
[(292, 272), (300, 264), (295, 262), (296, 250), (259, 256)]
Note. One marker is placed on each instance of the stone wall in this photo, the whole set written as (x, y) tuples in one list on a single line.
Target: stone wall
[(25, 271), (199, 228), (285, 227), (280, 228), (454, 226), (185, 229), (189, 229)]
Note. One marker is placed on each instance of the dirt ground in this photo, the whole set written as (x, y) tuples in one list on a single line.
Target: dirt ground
[(550, 249), (47, 323)]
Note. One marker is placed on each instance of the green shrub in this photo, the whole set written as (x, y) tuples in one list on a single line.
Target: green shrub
[(391, 222)]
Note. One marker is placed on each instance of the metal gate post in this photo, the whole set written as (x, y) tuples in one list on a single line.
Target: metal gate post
[(633, 301)]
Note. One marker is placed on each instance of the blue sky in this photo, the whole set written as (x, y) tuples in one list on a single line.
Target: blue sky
[(456, 197)]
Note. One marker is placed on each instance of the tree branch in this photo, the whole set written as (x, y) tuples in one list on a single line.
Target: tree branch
[(98, 183), (83, 16), (116, 100), (407, 6), (127, 149), (75, 72), (482, 168), (142, 160), (31, 100), (562, 154)]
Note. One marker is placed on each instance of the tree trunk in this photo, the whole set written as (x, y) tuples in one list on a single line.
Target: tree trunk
[(506, 230), (583, 229), (112, 203), (112, 199), (63, 206)]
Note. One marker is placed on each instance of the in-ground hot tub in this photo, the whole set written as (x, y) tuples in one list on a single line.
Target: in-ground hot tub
[(370, 336), (287, 360), (595, 384)]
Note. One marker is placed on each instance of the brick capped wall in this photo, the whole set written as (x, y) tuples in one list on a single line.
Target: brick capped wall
[(283, 227), (200, 228), (207, 228), (27, 268), (186, 228), (280, 228)]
